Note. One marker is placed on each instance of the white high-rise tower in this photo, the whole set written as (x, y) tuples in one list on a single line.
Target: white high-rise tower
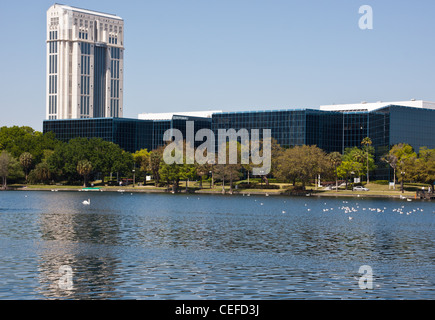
[(85, 58)]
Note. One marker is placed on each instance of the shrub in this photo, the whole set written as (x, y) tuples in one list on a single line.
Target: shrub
[(381, 182), (255, 185)]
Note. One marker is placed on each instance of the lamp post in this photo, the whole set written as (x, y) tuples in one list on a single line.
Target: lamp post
[(402, 173), (261, 181), (211, 182), (134, 177), (353, 179)]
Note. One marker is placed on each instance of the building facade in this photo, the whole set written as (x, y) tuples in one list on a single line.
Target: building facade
[(329, 130), (85, 59), (130, 134)]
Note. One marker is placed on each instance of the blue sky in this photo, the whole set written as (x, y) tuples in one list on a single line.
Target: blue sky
[(187, 55)]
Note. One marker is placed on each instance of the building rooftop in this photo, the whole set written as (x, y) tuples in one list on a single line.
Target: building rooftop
[(364, 106), (169, 115), (353, 107), (97, 13)]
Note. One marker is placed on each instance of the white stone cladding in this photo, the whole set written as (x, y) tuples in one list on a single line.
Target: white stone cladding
[(73, 37)]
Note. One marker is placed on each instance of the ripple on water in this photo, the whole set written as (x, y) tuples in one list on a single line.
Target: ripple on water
[(170, 247)]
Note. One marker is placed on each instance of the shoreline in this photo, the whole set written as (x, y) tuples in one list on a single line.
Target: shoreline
[(217, 192)]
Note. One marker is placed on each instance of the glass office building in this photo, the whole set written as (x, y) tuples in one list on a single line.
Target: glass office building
[(289, 127), (130, 134), (329, 130), (336, 131)]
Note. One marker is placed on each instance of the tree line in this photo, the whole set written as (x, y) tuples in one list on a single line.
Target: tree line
[(28, 156)]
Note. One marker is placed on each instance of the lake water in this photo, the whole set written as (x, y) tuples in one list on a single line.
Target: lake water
[(164, 246)]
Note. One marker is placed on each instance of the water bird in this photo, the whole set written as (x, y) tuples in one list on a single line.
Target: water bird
[(409, 200), (283, 211), (350, 218), (87, 202)]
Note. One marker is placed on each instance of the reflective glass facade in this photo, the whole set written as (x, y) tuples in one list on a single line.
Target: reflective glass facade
[(130, 134), (288, 126), (329, 130), (336, 131), (99, 81)]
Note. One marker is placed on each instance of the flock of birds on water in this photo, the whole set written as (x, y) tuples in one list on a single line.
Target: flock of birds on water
[(348, 209)]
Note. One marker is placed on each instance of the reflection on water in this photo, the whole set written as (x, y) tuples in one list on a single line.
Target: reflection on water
[(221, 247)]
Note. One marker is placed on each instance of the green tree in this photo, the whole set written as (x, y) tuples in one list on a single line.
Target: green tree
[(335, 158), (26, 160), (229, 171), (17, 140), (155, 160), (301, 163), (357, 155), (182, 168), (405, 162), (285, 166), (142, 160), (42, 173), (84, 168), (425, 166), (391, 159), (348, 168), (203, 170), (5, 160), (9, 168), (367, 142), (106, 157)]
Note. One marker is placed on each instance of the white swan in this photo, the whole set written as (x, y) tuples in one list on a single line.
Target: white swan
[(87, 202)]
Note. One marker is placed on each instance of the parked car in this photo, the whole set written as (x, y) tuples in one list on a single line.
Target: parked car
[(359, 188)]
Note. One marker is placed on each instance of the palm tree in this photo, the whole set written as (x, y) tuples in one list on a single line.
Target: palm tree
[(335, 158), (26, 160), (84, 168), (367, 142)]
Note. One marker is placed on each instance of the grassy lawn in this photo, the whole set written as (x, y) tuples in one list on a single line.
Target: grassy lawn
[(375, 189)]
